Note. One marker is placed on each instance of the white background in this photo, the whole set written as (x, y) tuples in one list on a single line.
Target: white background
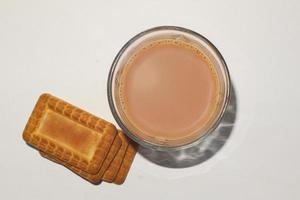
[(66, 48)]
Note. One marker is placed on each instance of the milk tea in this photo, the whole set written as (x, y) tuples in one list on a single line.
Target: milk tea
[(168, 91)]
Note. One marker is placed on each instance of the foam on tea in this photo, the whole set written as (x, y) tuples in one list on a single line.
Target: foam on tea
[(168, 91)]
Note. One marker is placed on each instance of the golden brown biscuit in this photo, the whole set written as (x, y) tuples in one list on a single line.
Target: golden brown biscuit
[(93, 178), (69, 134), (115, 165), (126, 163)]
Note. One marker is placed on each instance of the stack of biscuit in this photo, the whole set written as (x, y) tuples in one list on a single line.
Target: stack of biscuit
[(87, 145)]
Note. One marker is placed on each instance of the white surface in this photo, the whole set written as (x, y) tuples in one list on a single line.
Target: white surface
[(66, 48)]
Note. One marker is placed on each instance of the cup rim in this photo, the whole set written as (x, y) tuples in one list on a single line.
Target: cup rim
[(114, 109)]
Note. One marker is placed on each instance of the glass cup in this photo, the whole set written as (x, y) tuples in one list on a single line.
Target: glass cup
[(161, 33)]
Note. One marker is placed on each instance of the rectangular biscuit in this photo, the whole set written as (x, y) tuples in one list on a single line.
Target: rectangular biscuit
[(69, 134), (93, 178), (115, 165), (126, 163)]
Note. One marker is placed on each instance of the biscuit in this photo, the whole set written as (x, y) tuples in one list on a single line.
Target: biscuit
[(126, 163), (69, 134), (93, 178), (115, 165)]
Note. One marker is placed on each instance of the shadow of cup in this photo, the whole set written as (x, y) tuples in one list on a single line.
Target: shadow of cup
[(203, 151)]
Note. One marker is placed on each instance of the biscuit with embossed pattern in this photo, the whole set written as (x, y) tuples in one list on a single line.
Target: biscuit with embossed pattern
[(69, 134)]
